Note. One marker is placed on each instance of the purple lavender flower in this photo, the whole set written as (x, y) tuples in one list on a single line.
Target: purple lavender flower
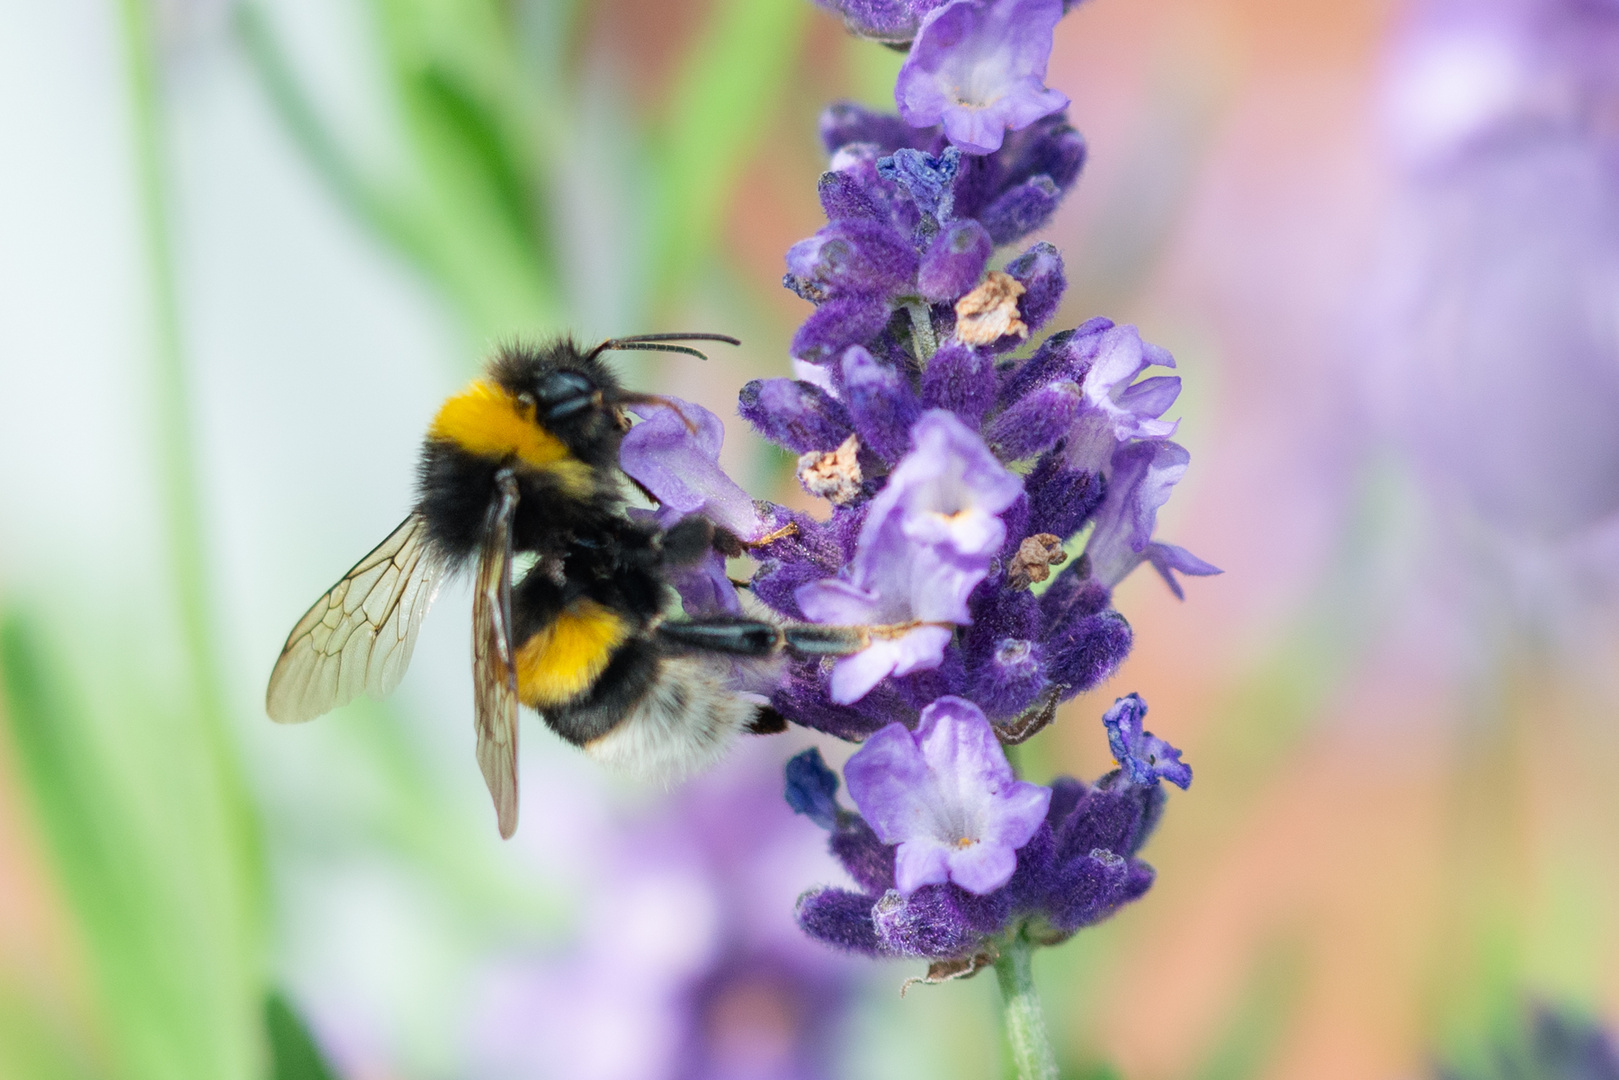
[(1076, 864), (892, 21), (687, 964), (978, 68), (1143, 473), (927, 540), (1144, 757), (1117, 408), (674, 453), (946, 796)]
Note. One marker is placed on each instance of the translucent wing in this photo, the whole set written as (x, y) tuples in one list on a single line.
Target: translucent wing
[(494, 673), (358, 637)]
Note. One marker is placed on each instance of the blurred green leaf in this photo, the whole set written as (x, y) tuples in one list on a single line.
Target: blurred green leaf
[(470, 211), (726, 94), (139, 828), (33, 1048), (293, 1052)]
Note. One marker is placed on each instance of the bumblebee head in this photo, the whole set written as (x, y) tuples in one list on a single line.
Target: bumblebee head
[(575, 396), (570, 394)]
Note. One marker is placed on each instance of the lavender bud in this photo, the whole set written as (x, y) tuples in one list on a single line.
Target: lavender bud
[(954, 261), (838, 324), (795, 414), (881, 403), (1041, 272), (1023, 209), (1036, 423), (962, 379)]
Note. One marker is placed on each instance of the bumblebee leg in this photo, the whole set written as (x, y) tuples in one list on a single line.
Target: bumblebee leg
[(737, 637), (811, 639)]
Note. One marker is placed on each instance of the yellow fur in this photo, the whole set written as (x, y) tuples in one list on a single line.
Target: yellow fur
[(564, 660), (486, 421)]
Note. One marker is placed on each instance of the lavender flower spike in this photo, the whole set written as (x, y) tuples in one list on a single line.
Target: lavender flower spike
[(978, 67), (946, 795), (928, 539), (1144, 758)]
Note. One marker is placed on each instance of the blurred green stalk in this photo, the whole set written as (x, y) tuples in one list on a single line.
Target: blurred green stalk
[(1025, 1021), (140, 799)]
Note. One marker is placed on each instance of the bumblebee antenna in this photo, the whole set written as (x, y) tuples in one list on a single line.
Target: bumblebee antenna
[(660, 343)]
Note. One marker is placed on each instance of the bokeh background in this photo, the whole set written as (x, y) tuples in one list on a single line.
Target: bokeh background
[(245, 250)]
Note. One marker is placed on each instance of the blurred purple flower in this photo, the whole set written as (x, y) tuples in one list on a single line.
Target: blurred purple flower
[(1560, 1045), (687, 964), (1501, 371), (927, 540), (1144, 758), (947, 797), (978, 68)]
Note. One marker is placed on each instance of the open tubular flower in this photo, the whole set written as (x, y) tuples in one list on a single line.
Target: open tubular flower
[(978, 68)]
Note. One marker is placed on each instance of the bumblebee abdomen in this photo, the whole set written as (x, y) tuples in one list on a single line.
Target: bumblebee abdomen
[(562, 660)]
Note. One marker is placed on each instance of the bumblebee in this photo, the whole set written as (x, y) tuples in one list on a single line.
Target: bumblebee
[(524, 462)]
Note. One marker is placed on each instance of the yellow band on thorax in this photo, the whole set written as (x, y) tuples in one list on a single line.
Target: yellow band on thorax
[(486, 421), (565, 658)]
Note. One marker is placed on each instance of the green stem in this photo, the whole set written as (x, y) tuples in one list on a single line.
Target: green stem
[(923, 340), (1025, 1021), (175, 451)]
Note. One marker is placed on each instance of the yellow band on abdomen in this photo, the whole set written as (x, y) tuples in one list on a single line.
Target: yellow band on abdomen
[(564, 659)]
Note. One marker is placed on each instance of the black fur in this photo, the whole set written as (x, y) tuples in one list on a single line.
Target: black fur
[(632, 672)]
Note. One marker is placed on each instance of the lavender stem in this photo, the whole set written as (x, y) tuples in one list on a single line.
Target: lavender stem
[(1025, 1021)]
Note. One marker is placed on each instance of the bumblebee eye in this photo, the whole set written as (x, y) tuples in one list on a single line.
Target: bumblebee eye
[(564, 393)]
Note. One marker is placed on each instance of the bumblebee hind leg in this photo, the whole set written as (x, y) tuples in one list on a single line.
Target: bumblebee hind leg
[(754, 637)]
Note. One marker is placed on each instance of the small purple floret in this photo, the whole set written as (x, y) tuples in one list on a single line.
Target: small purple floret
[(1144, 758), (1142, 476), (812, 788), (978, 67), (928, 539), (947, 797), (680, 467)]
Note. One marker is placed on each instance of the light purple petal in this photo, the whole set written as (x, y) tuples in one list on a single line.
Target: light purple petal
[(918, 649), (1151, 397), (945, 794), (854, 676), (982, 868), (1143, 474), (838, 603), (1168, 558), (890, 781), (680, 467), (923, 862)]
